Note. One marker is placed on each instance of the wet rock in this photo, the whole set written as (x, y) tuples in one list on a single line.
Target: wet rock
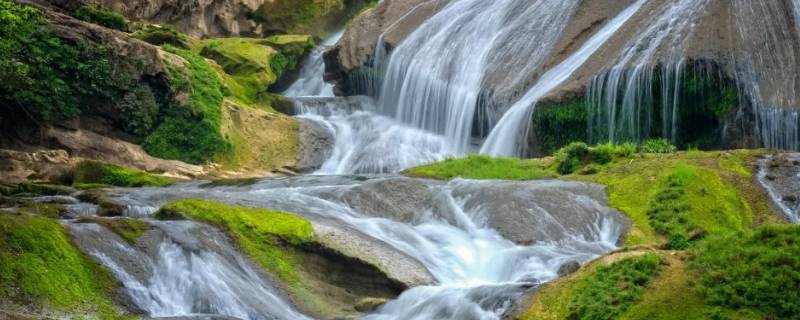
[(781, 178), (568, 268), (315, 145), (367, 305), (106, 206), (399, 199), (790, 198)]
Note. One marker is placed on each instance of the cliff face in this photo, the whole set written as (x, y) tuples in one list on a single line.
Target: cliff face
[(210, 18)]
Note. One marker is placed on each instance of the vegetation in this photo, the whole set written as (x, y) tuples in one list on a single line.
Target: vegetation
[(482, 167), (758, 271), (102, 16), (94, 172), (558, 124), (43, 77), (129, 229), (316, 17), (190, 131), (578, 155), (613, 288), (163, 35), (657, 146), (40, 267)]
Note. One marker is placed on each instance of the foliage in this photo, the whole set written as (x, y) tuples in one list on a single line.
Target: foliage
[(43, 77), (163, 35), (40, 267), (139, 109), (260, 232), (557, 124), (300, 16), (128, 229), (482, 167), (190, 132), (577, 155), (94, 172), (613, 288), (102, 16), (759, 270), (657, 146), (669, 209)]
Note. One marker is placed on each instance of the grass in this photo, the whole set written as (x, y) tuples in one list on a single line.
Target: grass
[(40, 267), (613, 288), (758, 271), (102, 16), (93, 173), (128, 229), (483, 167)]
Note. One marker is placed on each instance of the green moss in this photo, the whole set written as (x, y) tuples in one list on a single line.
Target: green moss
[(190, 131), (613, 288), (129, 229), (94, 172), (482, 167), (316, 17), (48, 210), (758, 271), (578, 155), (557, 124), (260, 232), (38, 189), (39, 267), (102, 16), (163, 35)]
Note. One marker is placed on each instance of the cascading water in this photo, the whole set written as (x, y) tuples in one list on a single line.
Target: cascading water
[(434, 77), (311, 82), (505, 137), (621, 98), (478, 271), (193, 270)]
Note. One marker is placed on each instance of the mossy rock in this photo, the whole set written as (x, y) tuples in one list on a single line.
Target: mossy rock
[(160, 35), (95, 172), (35, 189), (106, 206), (129, 229), (42, 271)]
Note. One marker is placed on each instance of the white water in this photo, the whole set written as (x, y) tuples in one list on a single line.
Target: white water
[(478, 271), (433, 78), (187, 278), (507, 138), (310, 82)]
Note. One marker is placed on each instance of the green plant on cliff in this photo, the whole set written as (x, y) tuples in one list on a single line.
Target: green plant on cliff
[(163, 34), (102, 16), (759, 271), (43, 77), (40, 268), (557, 124), (612, 289), (190, 130), (300, 16)]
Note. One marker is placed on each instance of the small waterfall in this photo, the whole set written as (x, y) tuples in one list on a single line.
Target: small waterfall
[(506, 135), (193, 270), (767, 68), (311, 82), (434, 77), (621, 98)]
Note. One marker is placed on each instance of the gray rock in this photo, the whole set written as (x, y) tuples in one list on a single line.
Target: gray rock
[(315, 145), (568, 268)]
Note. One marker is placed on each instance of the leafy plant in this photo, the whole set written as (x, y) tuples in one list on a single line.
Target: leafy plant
[(102, 16), (657, 146)]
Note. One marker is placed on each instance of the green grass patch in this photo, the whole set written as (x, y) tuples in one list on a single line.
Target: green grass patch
[(102, 16), (758, 271), (483, 167), (261, 233), (613, 288), (128, 229), (39, 267), (92, 173), (190, 131)]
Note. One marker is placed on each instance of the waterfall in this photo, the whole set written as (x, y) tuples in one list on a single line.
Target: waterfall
[(505, 138), (767, 68), (434, 77), (310, 82)]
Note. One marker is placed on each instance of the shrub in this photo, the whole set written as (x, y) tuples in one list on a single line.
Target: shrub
[(102, 16), (613, 288), (657, 146), (759, 271), (139, 110), (578, 154)]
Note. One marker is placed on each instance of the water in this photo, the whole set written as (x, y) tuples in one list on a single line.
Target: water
[(193, 270), (310, 82), (434, 78), (780, 176), (456, 235), (508, 136)]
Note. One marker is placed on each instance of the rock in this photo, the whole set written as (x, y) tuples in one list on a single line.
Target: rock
[(106, 206), (316, 143), (399, 199), (568, 268), (394, 18), (790, 198), (782, 178), (47, 165), (368, 305)]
